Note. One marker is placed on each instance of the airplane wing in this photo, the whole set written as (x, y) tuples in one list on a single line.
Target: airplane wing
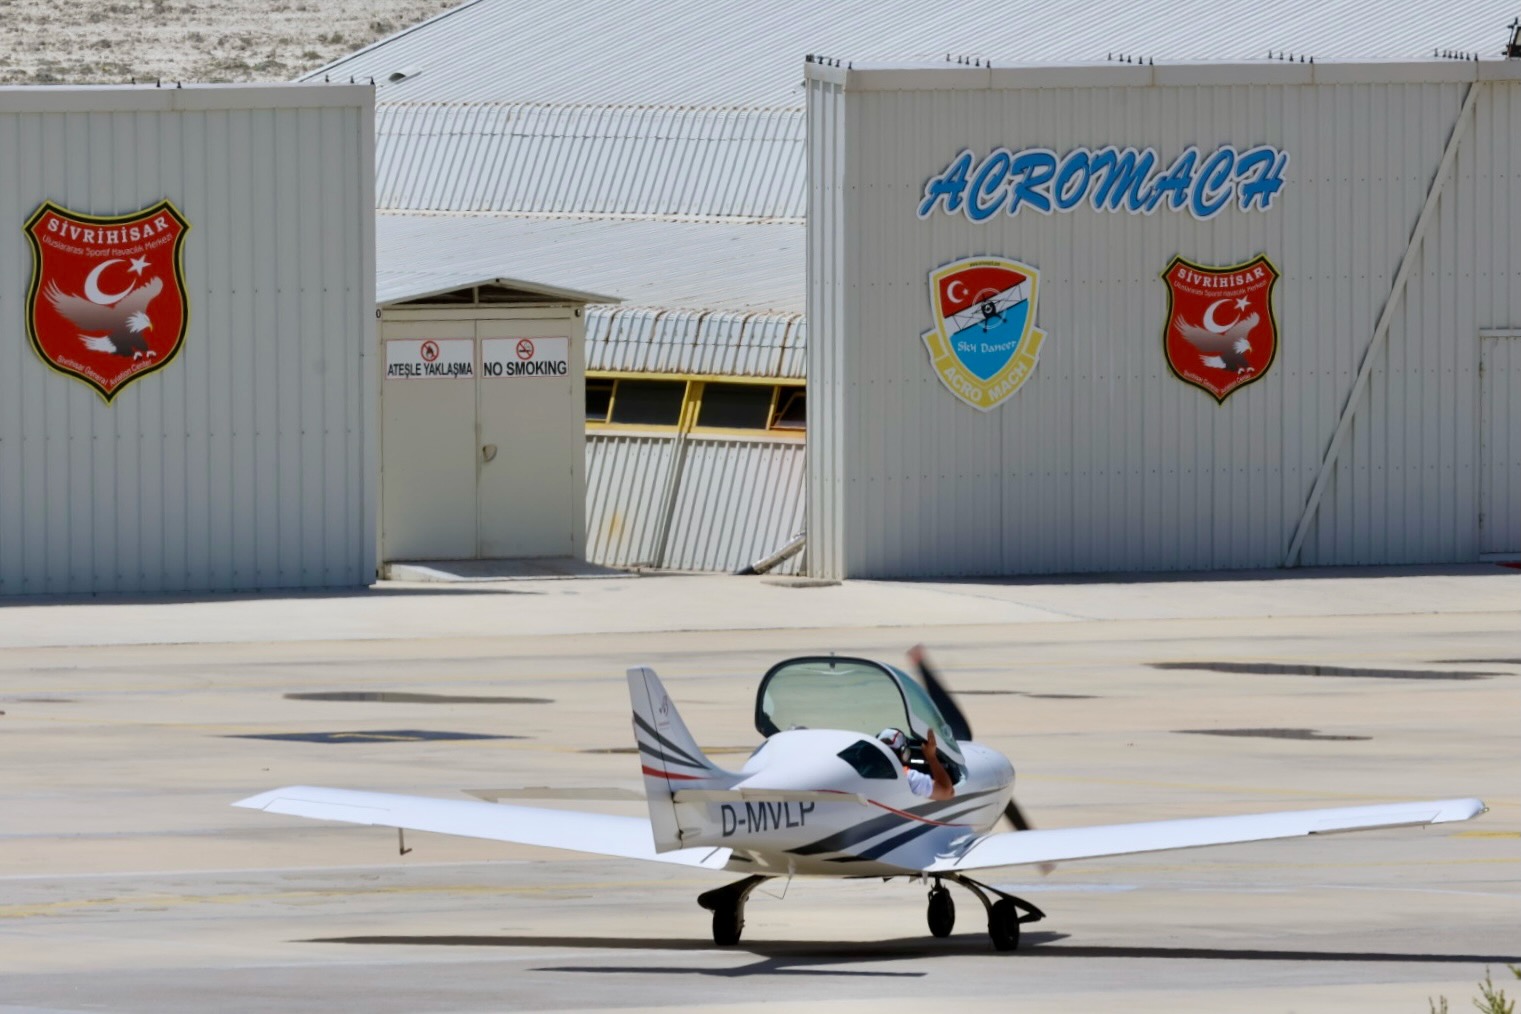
[(597, 833), (1015, 848)]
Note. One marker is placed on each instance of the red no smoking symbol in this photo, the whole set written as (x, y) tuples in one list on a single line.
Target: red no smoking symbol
[(429, 351), (525, 348)]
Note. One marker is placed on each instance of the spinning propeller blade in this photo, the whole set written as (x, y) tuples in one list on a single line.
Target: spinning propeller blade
[(961, 728)]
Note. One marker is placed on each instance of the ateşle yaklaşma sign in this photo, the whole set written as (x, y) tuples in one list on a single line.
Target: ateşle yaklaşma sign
[(1106, 179), (107, 302)]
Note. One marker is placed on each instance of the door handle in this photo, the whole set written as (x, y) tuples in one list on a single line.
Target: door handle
[(488, 453)]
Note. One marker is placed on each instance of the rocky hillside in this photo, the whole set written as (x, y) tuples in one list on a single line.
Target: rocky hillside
[(101, 42)]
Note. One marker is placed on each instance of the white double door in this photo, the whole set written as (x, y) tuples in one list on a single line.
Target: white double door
[(484, 466)]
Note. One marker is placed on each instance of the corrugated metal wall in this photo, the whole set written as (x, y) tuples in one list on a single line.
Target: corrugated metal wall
[(739, 499), (248, 461), (691, 502), (1103, 461), (731, 343)]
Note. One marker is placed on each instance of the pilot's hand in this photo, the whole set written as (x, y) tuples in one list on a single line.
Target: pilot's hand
[(929, 743)]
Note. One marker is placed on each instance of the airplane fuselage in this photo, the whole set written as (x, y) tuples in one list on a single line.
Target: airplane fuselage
[(892, 832)]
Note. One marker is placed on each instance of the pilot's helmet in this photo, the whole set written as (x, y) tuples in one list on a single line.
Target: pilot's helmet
[(895, 741)]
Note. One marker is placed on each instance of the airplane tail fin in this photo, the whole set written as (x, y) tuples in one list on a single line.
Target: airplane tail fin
[(669, 756)]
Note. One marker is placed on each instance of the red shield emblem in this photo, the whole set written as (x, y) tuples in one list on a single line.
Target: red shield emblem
[(107, 303), (1221, 333)]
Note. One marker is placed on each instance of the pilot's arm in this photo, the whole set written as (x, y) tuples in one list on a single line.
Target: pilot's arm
[(944, 787)]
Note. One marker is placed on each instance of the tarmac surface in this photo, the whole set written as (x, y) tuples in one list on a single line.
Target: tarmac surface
[(127, 882)]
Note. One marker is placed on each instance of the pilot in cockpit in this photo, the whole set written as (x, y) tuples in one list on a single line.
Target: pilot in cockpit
[(937, 784)]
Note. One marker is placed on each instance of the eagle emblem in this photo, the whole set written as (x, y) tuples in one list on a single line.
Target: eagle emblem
[(107, 301), (1220, 333), (984, 344)]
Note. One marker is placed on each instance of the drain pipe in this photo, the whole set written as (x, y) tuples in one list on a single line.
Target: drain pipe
[(787, 552)]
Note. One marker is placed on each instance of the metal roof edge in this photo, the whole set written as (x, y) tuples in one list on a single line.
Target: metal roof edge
[(181, 98), (578, 107), (1435, 70), (535, 288)]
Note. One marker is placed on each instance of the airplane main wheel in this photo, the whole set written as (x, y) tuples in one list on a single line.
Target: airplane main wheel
[(1003, 925), (942, 912), (728, 923)]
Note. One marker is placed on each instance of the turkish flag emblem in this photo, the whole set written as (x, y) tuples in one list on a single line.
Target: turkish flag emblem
[(107, 301), (1221, 333)]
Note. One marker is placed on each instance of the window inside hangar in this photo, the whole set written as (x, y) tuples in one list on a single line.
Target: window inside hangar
[(696, 404)]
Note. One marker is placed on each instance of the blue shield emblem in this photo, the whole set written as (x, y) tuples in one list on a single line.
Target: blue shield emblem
[(984, 345)]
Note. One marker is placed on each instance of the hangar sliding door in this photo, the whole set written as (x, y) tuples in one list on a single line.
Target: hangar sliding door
[(1500, 443)]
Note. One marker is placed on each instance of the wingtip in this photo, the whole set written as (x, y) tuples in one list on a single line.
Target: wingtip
[(262, 800)]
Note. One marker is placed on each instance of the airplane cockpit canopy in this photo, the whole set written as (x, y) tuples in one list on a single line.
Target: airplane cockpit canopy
[(854, 694)]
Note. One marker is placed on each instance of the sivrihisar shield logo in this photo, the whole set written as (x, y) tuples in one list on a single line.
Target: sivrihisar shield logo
[(107, 302), (984, 344), (1220, 333)]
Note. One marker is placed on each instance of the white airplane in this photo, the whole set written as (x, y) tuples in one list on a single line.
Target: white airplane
[(824, 796)]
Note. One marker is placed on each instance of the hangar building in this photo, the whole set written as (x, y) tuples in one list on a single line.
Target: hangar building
[(660, 155), (187, 294), (1153, 316)]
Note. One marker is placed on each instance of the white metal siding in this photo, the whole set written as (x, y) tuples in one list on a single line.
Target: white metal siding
[(692, 502), (740, 499), (830, 221), (1103, 461), (248, 461), (627, 479)]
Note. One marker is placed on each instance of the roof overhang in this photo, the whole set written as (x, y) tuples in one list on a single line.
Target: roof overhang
[(467, 290)]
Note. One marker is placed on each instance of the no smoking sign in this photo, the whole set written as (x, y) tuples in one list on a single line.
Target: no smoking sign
[(507, 358)]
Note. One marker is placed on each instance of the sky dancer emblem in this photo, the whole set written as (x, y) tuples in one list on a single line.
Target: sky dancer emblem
[(984, 344)]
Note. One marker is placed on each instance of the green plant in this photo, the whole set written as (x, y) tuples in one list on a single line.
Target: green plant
[(1489, 1001)]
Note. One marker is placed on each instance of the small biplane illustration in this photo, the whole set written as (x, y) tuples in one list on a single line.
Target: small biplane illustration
[(831, 792), (988, 309)]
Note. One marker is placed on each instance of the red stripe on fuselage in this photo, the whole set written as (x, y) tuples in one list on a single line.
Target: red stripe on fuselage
[(671, 774)]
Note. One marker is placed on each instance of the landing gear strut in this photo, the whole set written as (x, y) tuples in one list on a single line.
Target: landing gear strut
[(1005, 915), (728, 907)]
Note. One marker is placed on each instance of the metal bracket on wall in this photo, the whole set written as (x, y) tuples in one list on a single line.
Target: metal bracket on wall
[(1381, 330)]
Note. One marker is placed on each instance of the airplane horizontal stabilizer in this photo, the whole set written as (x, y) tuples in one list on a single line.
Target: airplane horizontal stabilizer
[(1017, 848), (597, 833)]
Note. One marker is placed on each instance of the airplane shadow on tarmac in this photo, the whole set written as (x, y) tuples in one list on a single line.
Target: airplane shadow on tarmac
[(794, 957)]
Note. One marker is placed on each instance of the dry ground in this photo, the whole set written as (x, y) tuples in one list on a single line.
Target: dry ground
[(101, 42)]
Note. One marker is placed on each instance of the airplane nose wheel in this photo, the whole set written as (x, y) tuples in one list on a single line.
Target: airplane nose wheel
[(942, 911)]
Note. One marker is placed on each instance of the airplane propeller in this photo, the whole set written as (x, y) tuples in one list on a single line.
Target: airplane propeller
[(959, 726)]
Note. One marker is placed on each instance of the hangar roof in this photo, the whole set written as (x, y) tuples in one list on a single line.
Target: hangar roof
[(700, 53), (650, 262)]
